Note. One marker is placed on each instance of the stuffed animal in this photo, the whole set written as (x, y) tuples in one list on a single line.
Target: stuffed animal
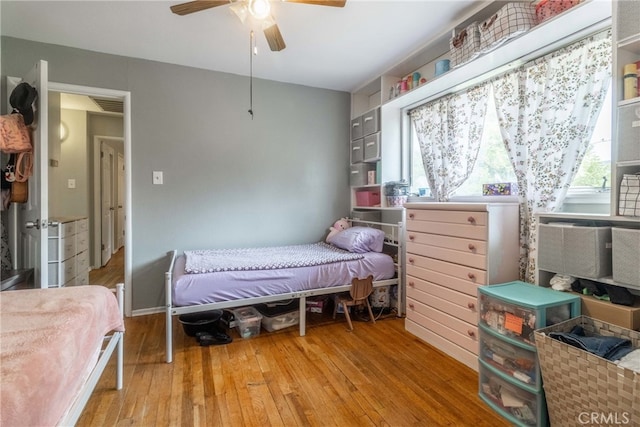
[(338, 226)]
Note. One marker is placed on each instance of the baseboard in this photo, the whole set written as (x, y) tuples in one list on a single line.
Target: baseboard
[(147, 311)]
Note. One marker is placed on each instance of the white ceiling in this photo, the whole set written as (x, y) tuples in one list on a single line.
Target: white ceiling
[(327, 47)]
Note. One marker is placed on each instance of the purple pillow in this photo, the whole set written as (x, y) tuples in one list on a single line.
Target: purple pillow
[(359, 240)]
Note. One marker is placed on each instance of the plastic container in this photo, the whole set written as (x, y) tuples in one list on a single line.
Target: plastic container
[(248, 321)]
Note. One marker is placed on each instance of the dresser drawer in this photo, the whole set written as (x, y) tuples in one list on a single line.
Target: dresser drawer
[(357, 151), (459, 353), (82, 241), (454, 217), (82, 262), (371, 147), (476, 232), (417, 274), (448, 327), (433, 296), (457, 243), (371, 122), (471, 274), (82, 225), (356, 128), (513, 361), (457, 257), (68, 247), (429, 289), (82, 279)]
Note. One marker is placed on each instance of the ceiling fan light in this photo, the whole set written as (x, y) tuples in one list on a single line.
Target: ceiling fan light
[(240, 9), (259, 9)]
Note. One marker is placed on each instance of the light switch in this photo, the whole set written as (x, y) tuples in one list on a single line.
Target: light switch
[(157, 177), (71, 183)]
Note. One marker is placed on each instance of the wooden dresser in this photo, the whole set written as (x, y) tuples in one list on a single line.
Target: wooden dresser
[(451, 249)]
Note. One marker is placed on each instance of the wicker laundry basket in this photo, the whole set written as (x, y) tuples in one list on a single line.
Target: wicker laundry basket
[(582, 388)]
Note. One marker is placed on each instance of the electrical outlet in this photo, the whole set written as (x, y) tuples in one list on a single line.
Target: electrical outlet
[(71, 183), (157, 177)]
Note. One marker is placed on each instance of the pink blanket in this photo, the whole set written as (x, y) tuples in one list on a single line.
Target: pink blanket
[(49, 341)]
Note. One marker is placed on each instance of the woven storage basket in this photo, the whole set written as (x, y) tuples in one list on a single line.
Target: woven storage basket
[(582, 388)]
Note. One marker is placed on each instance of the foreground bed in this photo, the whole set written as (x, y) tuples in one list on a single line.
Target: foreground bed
[(56, 343), (210, 289)]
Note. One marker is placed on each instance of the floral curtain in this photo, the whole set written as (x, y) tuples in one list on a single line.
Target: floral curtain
[(449, 131), (547, 111)]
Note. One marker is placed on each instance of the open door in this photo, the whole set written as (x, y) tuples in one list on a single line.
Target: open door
[(106, 195), (32, 219), (120, 209)]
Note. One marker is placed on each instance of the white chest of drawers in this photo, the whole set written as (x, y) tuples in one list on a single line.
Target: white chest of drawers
[(451, 249), (69, 252)]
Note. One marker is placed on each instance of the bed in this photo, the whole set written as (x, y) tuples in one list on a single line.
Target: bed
[(56, 343), (193, 285)]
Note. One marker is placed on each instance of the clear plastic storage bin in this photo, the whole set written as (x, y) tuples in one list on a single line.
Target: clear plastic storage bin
[(248, 321)]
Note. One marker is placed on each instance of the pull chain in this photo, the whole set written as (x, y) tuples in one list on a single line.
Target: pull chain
[(252, 51)]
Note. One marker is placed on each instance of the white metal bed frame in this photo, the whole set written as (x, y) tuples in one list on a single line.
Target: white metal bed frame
[(111, 342), (394, 237)]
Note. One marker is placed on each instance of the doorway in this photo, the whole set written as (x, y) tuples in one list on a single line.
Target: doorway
[(115, 187)]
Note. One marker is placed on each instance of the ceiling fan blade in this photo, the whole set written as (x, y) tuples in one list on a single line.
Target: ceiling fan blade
[(274, 37), (196, 6), (334, 3)]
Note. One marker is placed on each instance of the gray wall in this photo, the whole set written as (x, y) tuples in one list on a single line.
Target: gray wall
[(229, 181)]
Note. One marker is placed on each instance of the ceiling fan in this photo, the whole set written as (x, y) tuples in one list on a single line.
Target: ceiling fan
[(259, 9)]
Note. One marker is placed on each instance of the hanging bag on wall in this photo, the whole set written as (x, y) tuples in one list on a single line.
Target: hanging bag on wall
[(19, 191), (629, 197), (24, 166), (14, 134)]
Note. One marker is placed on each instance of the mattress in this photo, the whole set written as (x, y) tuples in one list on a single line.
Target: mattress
[(205, 288)]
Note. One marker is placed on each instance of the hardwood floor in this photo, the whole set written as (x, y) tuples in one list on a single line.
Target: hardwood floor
[(379, 374), (111, 274)]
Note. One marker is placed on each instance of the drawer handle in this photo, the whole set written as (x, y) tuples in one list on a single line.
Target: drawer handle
[(471, 305), (355, 125), (357, 147), (412, 284), (471, 220), (366, 119), (411, 237), (471, 276), (411, 306), (472, 247), (411, 260), (411, 216), (471, 333)]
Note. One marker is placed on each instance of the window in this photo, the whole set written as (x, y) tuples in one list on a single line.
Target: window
[(493, 164)]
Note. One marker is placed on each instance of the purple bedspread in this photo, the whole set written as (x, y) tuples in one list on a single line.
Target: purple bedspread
[(193, 289)]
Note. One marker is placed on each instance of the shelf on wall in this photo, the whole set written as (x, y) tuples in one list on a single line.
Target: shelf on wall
[(561, 30)]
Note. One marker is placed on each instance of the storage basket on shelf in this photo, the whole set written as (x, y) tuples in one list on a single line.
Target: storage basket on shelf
[(582, 388), (547, 9), (629, 200), (512, 20), (464, 45)]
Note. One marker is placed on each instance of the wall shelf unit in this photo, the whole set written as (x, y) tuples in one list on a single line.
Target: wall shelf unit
[(393, 165)]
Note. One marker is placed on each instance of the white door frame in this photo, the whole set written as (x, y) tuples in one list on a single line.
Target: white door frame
[(125, 97)]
